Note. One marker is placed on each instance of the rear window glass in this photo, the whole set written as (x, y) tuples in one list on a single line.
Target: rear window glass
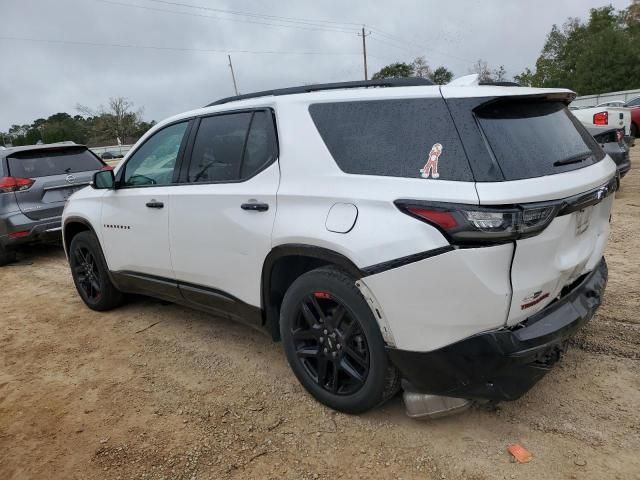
[(533, 139), (413, 138), (44, 163)]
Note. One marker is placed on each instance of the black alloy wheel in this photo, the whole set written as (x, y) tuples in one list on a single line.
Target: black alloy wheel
[(91, 274), (86, 272), (334, 344), (330, 344)]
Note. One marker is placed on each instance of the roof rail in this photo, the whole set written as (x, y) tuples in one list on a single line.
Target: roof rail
[(385, 82)]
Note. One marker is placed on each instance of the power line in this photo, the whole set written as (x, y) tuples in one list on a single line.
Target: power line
[(293, 22), (414, 44), (179, 49), (238, 20), (257, 15), (394, 45), (308, 21)]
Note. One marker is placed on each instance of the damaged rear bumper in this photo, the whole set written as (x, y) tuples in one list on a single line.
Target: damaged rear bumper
[(503, 364)]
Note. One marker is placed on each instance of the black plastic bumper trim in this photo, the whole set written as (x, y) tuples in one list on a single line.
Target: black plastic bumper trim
[(503, 364), (399, 262)]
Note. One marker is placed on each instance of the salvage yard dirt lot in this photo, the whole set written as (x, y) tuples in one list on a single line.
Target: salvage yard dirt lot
[(153, 391)]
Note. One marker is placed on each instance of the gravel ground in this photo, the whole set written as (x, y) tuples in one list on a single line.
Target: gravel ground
[(88, 395)]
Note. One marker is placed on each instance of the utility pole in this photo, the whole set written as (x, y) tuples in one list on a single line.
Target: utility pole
[(233, 77), (364, 50)]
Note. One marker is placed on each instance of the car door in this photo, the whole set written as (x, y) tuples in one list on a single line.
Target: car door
[(221, 217), (135, 216)]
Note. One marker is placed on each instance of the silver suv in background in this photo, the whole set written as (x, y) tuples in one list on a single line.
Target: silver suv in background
[(35, 183)]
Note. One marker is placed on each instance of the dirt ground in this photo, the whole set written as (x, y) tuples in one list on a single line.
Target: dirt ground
[(119, 396)]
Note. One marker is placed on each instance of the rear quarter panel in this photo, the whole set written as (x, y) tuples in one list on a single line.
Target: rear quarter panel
[(311, 183)]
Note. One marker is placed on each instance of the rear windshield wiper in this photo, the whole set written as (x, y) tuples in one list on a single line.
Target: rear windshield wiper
[(574, 159)]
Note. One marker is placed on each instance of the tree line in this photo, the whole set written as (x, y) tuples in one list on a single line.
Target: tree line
[(599, 55), (118, 122)]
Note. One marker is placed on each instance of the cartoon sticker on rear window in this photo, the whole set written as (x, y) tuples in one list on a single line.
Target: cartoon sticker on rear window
[(430, 168)]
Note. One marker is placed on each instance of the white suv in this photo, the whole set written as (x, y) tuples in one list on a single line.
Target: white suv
[(450, 237)]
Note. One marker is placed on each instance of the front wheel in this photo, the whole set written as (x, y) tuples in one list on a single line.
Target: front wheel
[(333, 343), (90, 273)]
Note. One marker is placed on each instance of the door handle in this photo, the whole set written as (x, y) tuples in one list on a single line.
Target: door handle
[(155, 204), (257, 207)]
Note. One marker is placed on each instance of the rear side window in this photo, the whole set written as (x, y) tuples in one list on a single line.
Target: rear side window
[(532, 139), (44, 163), (232, 147), (261, 149), (394, 138), (217, 150)]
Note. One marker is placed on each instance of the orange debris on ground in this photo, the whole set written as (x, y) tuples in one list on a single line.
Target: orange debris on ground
[(520, 453)]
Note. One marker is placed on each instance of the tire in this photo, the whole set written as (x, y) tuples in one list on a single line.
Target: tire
[(325, 320), (6, 256), (634, 130), (91, 274)]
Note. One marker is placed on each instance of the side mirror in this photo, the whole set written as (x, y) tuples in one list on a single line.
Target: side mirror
[(104, 180)]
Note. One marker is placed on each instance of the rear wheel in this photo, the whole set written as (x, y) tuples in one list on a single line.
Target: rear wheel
[(90, 273), (6, 256), (634, 130), (333, 342)]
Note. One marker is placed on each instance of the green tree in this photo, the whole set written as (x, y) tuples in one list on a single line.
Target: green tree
[(419, 67), (442, 76), (499, 74), (117, 123), (525, 78), (599, 55), (394, 70), (101, 127)]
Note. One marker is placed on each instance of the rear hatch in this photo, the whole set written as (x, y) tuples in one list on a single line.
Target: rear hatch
[(530, 154), (57, 172)]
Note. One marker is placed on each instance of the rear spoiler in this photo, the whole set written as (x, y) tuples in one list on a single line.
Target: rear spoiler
[(502, 90), (45, 148), (22, 152)]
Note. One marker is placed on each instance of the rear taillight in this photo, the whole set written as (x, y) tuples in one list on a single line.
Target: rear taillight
[(19, 234), (15, 184), (470, 224), (107, 167), (601, 118)]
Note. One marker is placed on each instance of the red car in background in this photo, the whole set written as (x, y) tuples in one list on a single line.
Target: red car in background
[(634, 105)]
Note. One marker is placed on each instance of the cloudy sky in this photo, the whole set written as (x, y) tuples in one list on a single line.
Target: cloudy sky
[(56, 54)]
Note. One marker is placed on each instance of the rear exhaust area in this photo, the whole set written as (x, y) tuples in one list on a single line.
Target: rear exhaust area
[(423, 406)]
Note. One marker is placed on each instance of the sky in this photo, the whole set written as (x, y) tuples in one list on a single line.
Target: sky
[(57, 54)]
